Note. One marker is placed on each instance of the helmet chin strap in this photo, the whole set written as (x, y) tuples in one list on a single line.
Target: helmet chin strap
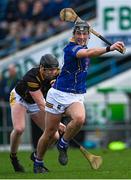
[(41, 72)]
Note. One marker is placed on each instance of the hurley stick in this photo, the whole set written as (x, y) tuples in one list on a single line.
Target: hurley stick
[(95, 161), (68, 14)]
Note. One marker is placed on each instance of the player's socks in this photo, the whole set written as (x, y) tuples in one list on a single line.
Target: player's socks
[(62, 148), (39, 166), (63, 144), (16, 164), (33, 156)]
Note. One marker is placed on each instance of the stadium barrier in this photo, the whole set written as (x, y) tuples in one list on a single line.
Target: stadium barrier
[(104, 123)]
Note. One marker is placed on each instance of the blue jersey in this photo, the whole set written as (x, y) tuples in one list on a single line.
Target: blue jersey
[(74, 71)]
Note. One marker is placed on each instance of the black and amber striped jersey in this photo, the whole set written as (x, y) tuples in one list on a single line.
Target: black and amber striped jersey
[(32, 81)]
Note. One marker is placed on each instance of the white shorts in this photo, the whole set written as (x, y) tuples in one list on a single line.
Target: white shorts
[(16, 98), (57, 101)]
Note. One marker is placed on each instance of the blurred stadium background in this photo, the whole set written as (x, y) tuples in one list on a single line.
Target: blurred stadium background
[(31, 28)]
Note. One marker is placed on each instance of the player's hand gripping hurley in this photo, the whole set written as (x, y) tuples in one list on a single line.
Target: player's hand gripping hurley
[(95, 161), (68, 14)]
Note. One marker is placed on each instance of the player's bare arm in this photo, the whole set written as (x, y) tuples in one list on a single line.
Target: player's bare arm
[(38, 98), (92, 52)]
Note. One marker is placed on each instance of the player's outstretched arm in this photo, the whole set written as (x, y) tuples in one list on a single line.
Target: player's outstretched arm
[(97, 51)]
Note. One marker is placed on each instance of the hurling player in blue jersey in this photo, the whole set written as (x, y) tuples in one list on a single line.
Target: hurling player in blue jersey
[(67, 94)]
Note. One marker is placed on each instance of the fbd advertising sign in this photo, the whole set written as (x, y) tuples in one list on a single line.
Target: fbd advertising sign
[(114, 19)]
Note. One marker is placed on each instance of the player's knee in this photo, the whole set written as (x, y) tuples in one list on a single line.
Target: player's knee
[(80, 119), (19, 130), (51, 133)]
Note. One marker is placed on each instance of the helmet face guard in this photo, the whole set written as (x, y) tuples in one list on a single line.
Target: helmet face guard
[(49, 61), (81, 26)]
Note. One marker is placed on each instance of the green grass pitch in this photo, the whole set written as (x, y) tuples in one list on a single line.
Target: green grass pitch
[(116, 165)]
